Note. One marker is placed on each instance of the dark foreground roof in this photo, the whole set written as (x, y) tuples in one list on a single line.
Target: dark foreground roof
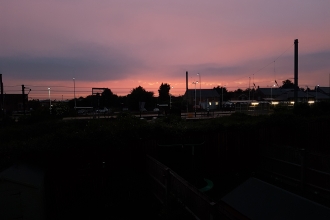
[(290, 95), (273, 91), (325, 89), (257, 199)]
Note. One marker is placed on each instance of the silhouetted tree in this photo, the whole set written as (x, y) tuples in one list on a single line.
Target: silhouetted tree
[(238, 91), (107, 98), (83, 102), (139, 94), (287, 84), (223, 90), (164, 92), (34, 104)]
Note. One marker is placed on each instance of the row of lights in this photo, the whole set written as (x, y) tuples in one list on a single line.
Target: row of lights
[(196, 82)]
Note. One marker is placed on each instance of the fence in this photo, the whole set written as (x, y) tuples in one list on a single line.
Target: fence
[(288, 156), (169, 187)]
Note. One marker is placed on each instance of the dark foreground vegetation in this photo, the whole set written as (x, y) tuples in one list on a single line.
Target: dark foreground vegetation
[(96, 167)]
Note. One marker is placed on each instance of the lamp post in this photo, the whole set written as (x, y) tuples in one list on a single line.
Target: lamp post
[(50, 102), (249, 87), (316, 91), (74, 92), (222, 96), (171, 99), (195, 96), (200, 89), (271, 94)]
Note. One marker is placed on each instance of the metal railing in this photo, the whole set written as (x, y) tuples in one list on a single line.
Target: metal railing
[(298, 167), (167, 186)]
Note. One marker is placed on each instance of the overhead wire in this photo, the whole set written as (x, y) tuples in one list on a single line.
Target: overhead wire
[(268, 63)]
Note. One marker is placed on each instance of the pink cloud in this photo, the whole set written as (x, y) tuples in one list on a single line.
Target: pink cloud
[(122, 44)]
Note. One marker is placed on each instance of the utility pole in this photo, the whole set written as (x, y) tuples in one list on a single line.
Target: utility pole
[(295, 71), (1, 98), (187, 96), (249, 87), (23, 93), (74, 93), (222, 97), (170, 98), (200, 90), (195, 96)]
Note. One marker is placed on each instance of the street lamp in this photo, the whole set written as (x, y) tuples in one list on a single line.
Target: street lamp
[(249, 87), (50, 102), (200, 89), (170, 98), (316, 91), (74, 92), (271, 94), (195, 96)]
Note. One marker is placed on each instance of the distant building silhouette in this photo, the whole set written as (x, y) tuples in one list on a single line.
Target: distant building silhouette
[(210, 98), (14, 103)]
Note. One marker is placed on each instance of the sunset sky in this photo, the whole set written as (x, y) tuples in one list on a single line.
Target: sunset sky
[(121, 44)]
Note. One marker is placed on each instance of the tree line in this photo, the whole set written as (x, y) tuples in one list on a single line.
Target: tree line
[(140, 95)]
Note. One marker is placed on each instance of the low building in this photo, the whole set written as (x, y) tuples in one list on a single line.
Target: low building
[(205, 98), (270, 94), (15, 103), (318, 96), (289, 96), (324, 90)]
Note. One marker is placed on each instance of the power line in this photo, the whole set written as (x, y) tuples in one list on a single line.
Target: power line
[(274, 60), (267, 64)]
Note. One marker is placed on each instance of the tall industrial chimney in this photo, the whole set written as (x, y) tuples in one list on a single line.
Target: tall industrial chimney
[(187, 95), (295, 71)]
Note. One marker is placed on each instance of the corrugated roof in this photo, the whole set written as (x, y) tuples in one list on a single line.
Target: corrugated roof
[(273, 91), (325, 89), (257, 199), (290, 95), (319, 95)]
